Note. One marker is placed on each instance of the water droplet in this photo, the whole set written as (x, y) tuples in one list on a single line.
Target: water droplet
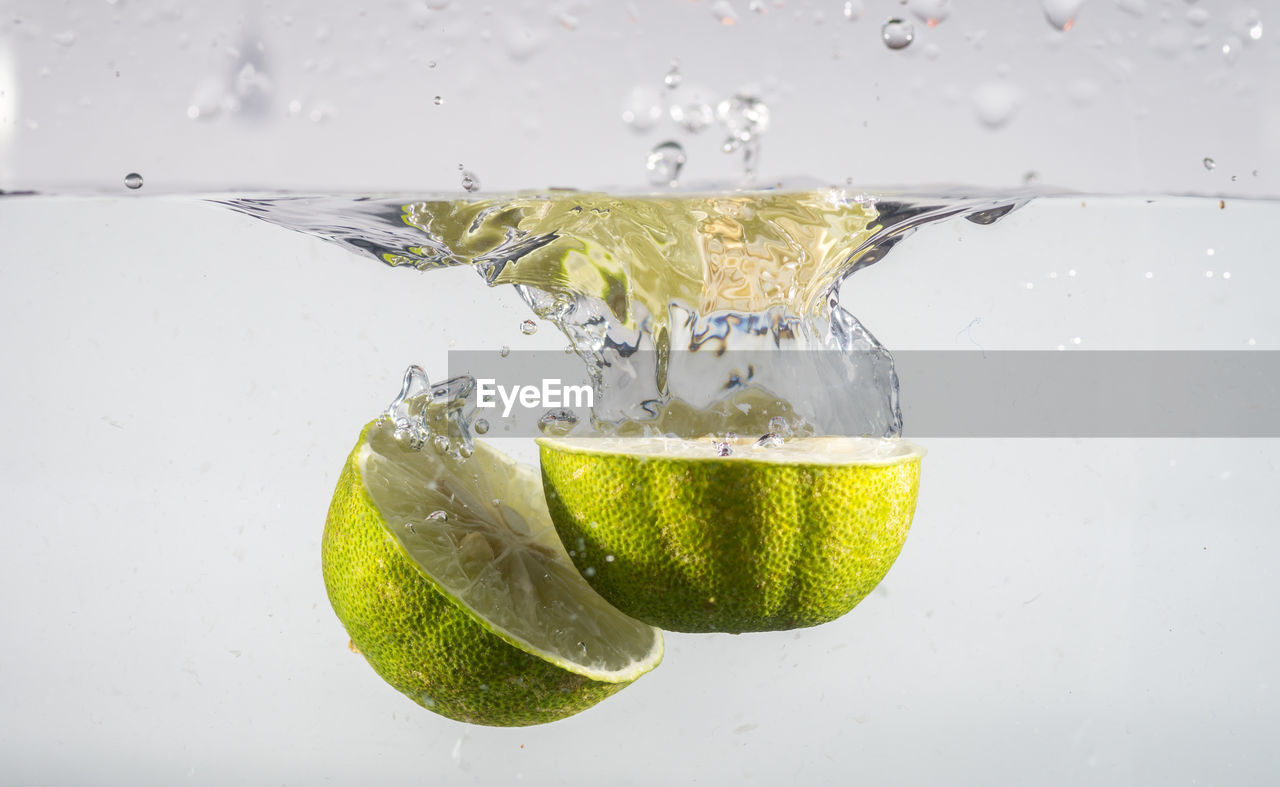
[(744, 118), (608, 558), (1231, 49), (470, 183), (1031, 177), (481, 426), (758, 7), (779, 426), (995, 103), (528, 327), (133, 180), (691, 107), (853, 9), (722, 448), (673, 78), (438, 100), (1255, 30), (1226, 274), (504, 351), (898, 33), (437, 516), (1209, 163), (642, 108), (769, 440), (441, 443), (1208, 274), (557, 422), (1209, 252), (582, 647), (409, 526), (723, 11), (931, 12), (588, 572), (1062, 13), (1076, 340), (664, 163), (1150, 275)]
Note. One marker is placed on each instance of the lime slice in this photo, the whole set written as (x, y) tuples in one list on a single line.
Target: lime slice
[(453, 584), (735, 535)]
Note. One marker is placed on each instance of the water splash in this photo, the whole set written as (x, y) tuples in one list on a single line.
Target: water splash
[(652, 291), (431, 414)]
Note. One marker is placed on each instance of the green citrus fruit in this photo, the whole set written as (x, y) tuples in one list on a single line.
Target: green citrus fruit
[(451, 582), (765, 538)]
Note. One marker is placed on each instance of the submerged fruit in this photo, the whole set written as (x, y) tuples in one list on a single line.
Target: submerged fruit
[(451, 582), (732, 536)]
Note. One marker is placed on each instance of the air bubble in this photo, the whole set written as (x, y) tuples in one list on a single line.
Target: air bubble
[(779, 426), (723, 11), (931, 12), (133, 181), (1231, 49), (995, 104), (898, 33), (528, 327), (642, 108), (744, 117), (664, 163), (481, 426), (1062, 13), (557, 422), (673, 78)]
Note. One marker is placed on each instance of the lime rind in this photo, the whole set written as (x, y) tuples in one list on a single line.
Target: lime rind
[(809, 451), (495, 552)]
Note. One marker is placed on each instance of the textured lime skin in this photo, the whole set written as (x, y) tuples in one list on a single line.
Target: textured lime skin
[(429, 648), (701, 545)]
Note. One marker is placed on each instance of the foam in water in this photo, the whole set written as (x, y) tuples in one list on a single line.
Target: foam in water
[(694, 314)]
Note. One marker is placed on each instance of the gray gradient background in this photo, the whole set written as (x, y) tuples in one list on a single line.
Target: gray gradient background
[(182, 383)]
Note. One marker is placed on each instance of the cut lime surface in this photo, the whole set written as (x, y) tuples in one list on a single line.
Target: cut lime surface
[(682, 536), (452, 583)]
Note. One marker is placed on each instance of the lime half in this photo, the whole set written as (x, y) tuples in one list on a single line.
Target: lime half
[(452, 583), (703, 535)]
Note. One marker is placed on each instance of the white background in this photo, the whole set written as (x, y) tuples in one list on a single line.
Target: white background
[(181, 385)]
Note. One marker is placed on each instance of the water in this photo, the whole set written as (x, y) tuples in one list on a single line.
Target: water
[(677, 305), (191, 378)]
